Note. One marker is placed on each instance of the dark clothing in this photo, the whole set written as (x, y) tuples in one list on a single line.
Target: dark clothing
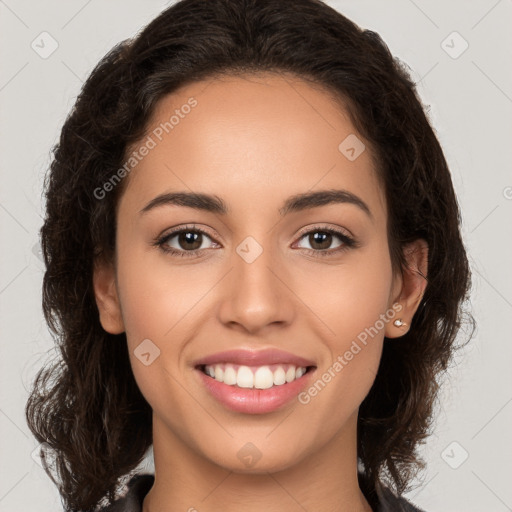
[(139, 486)]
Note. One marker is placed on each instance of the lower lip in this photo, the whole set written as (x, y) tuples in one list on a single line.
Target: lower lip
[(251, 400)]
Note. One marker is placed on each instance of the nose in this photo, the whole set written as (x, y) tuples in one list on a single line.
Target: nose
[(255, 294)]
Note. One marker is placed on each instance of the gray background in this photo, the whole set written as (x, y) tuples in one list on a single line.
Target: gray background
[(470, 100)]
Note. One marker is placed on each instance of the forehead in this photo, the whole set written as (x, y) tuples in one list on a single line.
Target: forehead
[(259, 136)]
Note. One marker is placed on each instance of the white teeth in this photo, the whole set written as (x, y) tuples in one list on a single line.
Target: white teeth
[(261, 377), (290, 374), (244, 377), (219, 373), (298, 373), (229, 375), (279, 376)]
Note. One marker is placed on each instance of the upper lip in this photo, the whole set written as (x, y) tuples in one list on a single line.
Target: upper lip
[(254, 358)]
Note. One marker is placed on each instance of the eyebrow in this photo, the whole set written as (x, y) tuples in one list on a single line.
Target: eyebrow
[(298, 202)]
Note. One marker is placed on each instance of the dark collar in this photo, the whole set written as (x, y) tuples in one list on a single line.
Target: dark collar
[(139, 485)]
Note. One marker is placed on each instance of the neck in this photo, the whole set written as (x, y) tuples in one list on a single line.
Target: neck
[(185, 481)]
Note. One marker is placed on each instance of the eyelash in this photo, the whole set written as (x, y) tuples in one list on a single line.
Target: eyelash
[(348, 242)]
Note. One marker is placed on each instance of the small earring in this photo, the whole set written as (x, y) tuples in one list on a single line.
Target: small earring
[(398, 323)]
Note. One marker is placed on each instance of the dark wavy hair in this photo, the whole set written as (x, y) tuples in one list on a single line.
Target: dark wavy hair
[(85, 406)]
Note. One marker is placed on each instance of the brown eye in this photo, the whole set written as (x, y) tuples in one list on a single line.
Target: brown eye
[(184, 242), (321, 241), (189, 240)]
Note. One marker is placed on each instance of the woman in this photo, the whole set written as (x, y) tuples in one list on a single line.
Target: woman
[(254, 266)]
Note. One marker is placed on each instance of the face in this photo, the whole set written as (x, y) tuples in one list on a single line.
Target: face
[(254, 268)]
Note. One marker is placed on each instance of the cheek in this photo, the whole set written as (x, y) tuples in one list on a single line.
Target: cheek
[(353, 303), (155, 296), (153, 302), (349, 298)]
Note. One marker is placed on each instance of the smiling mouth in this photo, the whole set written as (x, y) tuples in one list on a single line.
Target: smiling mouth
[(255, 377)]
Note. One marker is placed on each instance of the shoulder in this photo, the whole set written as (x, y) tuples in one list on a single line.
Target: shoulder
[(382, 499), (389, 502), (131, 501)]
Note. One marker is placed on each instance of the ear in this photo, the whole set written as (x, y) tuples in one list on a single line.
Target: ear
[(107, 300), (411, 287)]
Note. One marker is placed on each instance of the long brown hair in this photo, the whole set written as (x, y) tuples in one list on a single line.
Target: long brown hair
[(85, 405)]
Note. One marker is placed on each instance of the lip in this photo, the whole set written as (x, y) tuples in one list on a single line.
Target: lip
[(252, 400), (254, 358)]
